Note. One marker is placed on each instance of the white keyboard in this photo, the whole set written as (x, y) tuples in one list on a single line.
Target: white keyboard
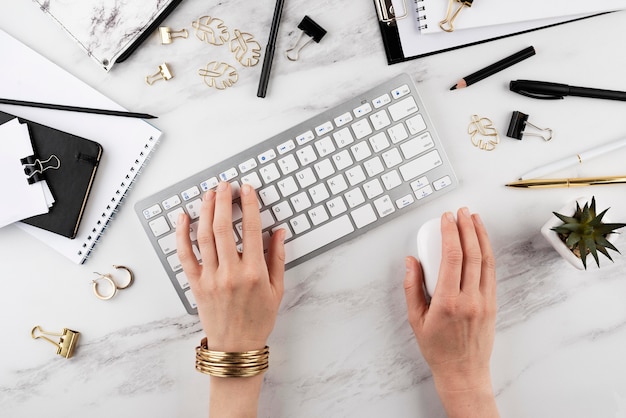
[(325, 181)]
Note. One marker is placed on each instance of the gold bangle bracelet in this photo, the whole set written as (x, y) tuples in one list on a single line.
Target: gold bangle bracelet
[(231, 364)]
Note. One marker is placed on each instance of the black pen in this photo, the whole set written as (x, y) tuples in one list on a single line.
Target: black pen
[(77, 109), (269, 50), (555, 91), (494, 68)]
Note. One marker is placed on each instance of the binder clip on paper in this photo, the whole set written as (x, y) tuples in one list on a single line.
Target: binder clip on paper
[(447, 24), (168, 35), (307, 27), (34, 167), (164, 73), (67, 341), (517, 128), (387, 13)]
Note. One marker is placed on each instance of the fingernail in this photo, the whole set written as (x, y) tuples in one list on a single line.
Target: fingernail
[(478, 219), (221, 186), (208, 195), (408, 264), (465, 211), (245, 189), (450, 216)]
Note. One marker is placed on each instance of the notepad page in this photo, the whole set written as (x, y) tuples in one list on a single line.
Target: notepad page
[(484, 13), (126, 142), (19, 200)]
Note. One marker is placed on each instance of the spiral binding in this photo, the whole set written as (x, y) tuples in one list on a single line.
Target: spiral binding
[(116, 201), (420, 9)]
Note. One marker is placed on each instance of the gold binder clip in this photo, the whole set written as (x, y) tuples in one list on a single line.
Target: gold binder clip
[(449, 20), (168, 35), (164, 73), (67, 342)]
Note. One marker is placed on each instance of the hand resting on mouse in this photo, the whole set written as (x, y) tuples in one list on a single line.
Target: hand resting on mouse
[(455, 331)]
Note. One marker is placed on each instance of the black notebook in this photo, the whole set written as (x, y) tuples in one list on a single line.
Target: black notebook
[(70, 183)]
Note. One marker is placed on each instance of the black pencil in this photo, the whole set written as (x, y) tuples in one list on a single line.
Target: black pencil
[(269, 50), (77, 109), (494, 68)]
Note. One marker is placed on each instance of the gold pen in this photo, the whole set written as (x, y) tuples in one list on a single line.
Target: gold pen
[(573, 182)]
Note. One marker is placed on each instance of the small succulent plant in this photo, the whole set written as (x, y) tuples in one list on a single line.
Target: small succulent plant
[(584, 232)]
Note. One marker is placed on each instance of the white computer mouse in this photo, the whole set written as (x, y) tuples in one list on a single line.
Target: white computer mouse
[(429, 252)]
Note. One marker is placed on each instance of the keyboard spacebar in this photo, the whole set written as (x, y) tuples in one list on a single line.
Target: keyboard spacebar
[(317, 238)]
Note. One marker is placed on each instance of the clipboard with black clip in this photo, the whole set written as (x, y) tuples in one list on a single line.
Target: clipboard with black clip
[(388, 18)]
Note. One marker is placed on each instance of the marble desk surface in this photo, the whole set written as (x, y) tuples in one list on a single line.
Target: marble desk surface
[(342, 346)]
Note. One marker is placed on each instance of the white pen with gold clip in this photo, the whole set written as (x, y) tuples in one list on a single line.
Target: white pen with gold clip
[(573, 160)]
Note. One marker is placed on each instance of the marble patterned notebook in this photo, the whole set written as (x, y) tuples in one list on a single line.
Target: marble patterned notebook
[(105, 29)]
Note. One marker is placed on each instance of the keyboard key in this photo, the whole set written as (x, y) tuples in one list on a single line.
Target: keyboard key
[(355, 175), (317, 238), (306, 155), (247, 165), (285, 147), (402, 109), (305, 177), (319, 193), (282, 211), (364, 109), (405, 201), (229, 174), (354, 197), (336, 206), (288, 164), (300, 202), (152, 211), (170, 202), (381, 101), (373, 188), (373, 166), (182, 280), (397, 133), (193, 208), (380, 120), (287, 186), (419, 183), (361, 151), (343, 138), (442, 182), (416, 124), (417, 145), (361, 129), (252, 179), (342, 160), (337, 184), (269, 173), (266, 156), (190, 299), (420, 165), (190, 193), (305, 137), (423, 192), (324, 128), (391, 180), (392, 157), (325, 146), (363, 216), (267, 219), (318, 215), (208, 184), (173, 216), (159, 226), (269, 195), (384, 206), (379, 142), (324, 169), (400, 91), (300, 224), (168, 243), (343, 119)]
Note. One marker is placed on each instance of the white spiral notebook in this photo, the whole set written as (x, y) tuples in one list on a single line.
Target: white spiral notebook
[(484, 13), (126, 142)]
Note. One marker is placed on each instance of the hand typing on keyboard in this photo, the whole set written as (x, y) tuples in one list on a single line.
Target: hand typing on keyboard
[(238, 294)]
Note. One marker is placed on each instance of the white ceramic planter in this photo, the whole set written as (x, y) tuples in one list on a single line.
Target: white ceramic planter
[(559, 246)]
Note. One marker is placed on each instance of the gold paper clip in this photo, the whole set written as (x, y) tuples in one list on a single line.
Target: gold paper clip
[(164, 73), (168, 35), (66, 344), (449, 20)]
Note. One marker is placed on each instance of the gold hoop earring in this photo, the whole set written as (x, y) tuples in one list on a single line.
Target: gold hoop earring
[(109, 279), (131, 277)]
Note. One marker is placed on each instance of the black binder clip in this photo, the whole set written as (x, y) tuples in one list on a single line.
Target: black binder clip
[(34, 167), (517, 128), (67, 342), (315, 33)]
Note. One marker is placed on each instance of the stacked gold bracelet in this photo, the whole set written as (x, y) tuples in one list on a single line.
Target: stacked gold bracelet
[(225, 364)]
